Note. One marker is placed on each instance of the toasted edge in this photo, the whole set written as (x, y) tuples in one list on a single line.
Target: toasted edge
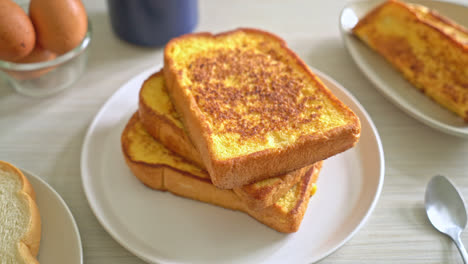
[(261, 197), (305, 189), (166, 178), (365, 20), (238, 171), (28, 246), (197, 188)]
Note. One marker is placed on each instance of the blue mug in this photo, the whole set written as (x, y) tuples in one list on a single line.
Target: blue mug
[(152, 22)]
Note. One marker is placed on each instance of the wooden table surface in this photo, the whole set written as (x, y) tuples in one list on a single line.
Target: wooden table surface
[(45, 136)]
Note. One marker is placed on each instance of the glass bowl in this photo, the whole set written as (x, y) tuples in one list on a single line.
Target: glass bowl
[(41, 79)]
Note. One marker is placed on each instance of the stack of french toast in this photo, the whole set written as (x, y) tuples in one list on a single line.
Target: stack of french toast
[(237, 120)]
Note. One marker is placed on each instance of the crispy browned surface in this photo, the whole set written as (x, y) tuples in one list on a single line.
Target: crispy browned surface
[(217, 100), (207, 109), (428, 49), (29, 245), (158, 122), (284, 216)]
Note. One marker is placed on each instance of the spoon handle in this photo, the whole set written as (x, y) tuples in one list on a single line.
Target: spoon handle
[(461, 248)]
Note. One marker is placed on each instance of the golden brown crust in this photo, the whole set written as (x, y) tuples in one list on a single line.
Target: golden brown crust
[(183, 183), (269, 215), (258, 197), (318, 147), (238, 171), (201, 190), (29, 244), (151, 176), (369, 16), (449, 22), (196, 188)]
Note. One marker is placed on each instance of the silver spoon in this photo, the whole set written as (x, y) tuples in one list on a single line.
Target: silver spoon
[(446, 210)]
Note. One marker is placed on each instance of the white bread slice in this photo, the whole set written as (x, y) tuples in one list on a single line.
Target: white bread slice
[(20, 222)]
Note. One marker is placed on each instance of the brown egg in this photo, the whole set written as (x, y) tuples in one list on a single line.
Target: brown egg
[(60, 24), (17, 37), (38, 54)]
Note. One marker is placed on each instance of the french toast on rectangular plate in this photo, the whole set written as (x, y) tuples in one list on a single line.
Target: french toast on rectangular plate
[(429, 50), (252, 107), (161, 169), (160, 120)]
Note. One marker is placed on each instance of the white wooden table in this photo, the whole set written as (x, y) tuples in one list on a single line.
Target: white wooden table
[(45, 136)]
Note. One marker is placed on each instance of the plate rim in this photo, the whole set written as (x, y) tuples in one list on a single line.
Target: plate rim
[(143, 75), (395, 98), (28, 174), (378, 142), (84, 161)]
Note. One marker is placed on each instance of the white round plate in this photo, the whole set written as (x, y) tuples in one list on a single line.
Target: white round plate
[(162, 228), (60, 239), (389, 81)]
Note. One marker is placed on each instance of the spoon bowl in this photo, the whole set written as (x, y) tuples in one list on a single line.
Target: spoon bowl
[(444, 205), (446, 210)]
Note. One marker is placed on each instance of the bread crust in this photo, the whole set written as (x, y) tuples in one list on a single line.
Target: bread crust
[(238, 171), (28, 246), (182, 183), (196, 188), (365, 20), (269, 215), (257, 198)]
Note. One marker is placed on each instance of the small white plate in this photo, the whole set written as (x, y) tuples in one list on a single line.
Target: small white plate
[(60, 240), (389, 81), (162, 228)]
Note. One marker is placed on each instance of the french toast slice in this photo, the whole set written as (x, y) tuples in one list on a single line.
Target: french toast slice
[(161, 169), (428, 49), (160, 120), (252, 107)]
